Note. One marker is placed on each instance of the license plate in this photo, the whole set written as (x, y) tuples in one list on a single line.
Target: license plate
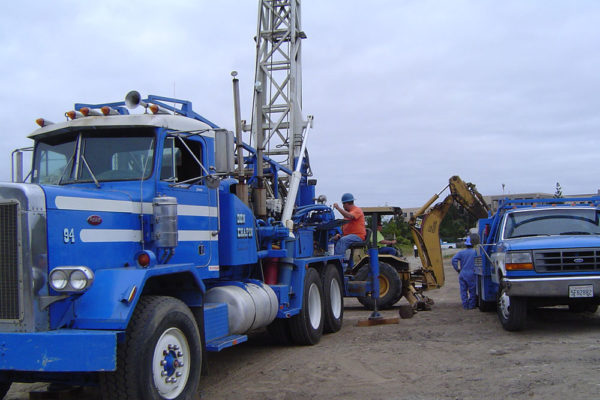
[(581, 291)]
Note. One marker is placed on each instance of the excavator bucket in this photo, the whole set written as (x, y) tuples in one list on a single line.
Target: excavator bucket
[(466, 194)]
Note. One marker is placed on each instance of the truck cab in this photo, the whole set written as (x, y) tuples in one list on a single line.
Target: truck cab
[(541, 254), (129, 240)]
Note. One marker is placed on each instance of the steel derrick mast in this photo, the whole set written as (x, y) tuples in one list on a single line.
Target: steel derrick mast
[(277, 119)]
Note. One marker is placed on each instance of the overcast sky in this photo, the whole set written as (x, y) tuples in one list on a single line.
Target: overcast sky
[(404, 94)]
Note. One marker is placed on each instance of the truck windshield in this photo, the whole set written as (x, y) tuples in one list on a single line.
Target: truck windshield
[(94, 155), (544, 222)]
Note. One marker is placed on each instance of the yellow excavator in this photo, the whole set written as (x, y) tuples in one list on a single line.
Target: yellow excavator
[(396, 278)]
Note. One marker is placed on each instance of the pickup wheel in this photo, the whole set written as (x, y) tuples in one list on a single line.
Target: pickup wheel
[(512, 311), (161, 357), (390, 287), (334, 299), (306, 327), (4, 388)]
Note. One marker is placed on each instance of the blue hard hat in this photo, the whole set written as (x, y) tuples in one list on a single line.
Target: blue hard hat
[(468, 241), (347, 197)]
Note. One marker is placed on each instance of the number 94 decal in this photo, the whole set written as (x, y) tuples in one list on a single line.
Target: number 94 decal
[(68, 235)]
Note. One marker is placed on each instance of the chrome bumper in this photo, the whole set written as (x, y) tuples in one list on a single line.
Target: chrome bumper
[(549, 287)]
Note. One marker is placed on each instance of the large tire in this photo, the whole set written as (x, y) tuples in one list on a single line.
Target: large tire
[(333, 294), (4, 388), (161, 357), (306, 327), (390, 287), (484, 306), (512, 311)]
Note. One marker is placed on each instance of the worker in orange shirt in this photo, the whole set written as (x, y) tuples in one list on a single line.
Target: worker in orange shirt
[(354, 230)]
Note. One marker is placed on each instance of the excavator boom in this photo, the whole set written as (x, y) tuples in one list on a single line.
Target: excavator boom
[(425, 226)]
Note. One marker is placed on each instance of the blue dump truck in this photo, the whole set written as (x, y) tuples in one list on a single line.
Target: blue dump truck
[(130, 251), (537, 253)]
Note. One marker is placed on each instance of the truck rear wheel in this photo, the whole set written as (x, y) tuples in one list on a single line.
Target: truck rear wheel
[(161, 357), (390, 287), (512, 311), (4, 388), (333, 295), (306, 327)]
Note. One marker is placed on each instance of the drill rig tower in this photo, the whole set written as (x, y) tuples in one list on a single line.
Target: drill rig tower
[(277, 121)]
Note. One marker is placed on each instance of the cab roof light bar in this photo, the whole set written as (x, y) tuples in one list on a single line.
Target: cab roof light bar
[(185, 107)]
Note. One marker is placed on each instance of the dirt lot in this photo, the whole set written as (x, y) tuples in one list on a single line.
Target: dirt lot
[(446, 353)]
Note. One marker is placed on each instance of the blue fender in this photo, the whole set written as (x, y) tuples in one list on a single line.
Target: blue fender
[(110, 301)]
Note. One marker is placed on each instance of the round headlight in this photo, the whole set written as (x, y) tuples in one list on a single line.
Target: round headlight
[(58, 280), (78, 280)]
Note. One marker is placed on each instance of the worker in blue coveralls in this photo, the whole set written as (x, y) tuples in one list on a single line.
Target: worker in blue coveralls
[(464, 263)]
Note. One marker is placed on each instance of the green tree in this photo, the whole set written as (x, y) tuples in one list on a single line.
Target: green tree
[(558, 192), (399, 229), (456, 224)]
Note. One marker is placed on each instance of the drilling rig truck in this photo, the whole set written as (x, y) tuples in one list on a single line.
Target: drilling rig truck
[(141, 241)]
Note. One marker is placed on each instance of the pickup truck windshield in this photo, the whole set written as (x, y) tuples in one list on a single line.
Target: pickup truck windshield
[(544, 222), (94, 155)]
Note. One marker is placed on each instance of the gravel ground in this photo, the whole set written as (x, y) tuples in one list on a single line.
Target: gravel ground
[(446, 353)]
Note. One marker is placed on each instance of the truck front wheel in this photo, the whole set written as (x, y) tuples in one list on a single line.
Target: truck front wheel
[(512, 311), (161, 357)]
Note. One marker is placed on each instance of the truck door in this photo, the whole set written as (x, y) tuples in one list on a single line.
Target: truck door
[(183, 169)]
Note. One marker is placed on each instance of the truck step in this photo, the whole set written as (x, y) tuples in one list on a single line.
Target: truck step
[(227, 341)]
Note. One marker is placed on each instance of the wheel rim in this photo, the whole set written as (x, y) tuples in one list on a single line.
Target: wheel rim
[(504, 305), (335, 298), (171, 363), (314, 306), (384, 286)]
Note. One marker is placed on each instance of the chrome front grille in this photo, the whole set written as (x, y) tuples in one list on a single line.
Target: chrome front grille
[(9, 262), (566, 260)]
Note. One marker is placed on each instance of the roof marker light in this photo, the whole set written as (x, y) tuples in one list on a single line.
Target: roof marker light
[(106, 110), (156, 109), (73, 114), (86, 111), (43, 122)]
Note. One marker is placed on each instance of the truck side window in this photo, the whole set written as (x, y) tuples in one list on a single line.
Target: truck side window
[(180, 160), (171, 160)]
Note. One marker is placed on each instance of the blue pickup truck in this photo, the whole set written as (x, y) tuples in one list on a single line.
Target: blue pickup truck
[(537, 253)]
